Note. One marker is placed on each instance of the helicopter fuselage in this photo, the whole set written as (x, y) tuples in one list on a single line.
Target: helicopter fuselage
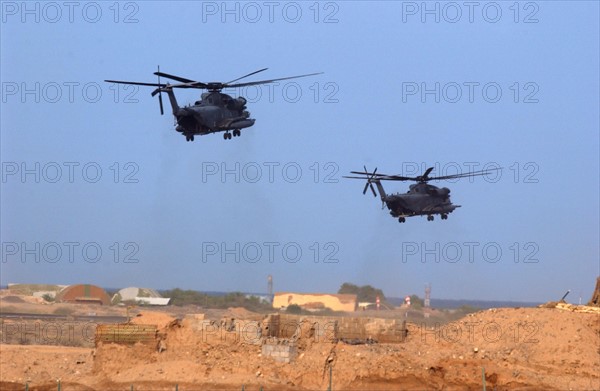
[(404, 205), (421, 199), (215, 112)]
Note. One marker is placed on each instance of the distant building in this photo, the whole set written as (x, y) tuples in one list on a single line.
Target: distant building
[(316, 301), (83, 293), (153, 300), (145, 296), (363, 305)]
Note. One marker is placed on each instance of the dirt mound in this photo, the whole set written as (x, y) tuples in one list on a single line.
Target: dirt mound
[(578, 308), (51, 386), (522, 348), (160, 319), (21, 299), (595, 300), (242, 313), (12, 299)]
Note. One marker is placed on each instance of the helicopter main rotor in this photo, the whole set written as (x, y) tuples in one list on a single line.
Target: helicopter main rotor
[(218, 86), (212, 86), (424, 178)]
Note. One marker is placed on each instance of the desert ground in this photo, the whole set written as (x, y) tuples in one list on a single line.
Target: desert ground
[(555, 348)]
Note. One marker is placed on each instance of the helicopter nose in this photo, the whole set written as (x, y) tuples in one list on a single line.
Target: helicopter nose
[(444, 191)]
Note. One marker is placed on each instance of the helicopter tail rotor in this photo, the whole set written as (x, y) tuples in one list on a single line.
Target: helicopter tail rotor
[(160, 102), (370, 177)]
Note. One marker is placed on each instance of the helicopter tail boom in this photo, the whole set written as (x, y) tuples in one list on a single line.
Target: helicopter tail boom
[(172, 99), (382, 193)]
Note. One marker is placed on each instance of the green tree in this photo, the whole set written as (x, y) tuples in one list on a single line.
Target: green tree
[(348, 288), (48, 297), (181, 297), (416, 302), (364, 293), (294, 309)]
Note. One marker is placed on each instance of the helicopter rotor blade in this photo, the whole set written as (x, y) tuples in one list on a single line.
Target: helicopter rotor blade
[(466, 174), (160, 102), (372, 176), (367, 184), (366, 187), (397, 178), (367, 173), (371, 181), (173, 77), (253, 83), (426, 174), (162, 111), (192, 84), (369, 178), (185, 83), (250, 74), (426, 178), (135, 83)]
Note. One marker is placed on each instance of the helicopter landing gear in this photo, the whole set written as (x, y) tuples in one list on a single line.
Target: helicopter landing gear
[(189, 137), (401, 219), (236, 133), (444, 216), (430, 218)]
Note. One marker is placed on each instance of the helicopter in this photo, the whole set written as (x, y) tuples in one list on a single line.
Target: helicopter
[(214, 112), (421, 199)]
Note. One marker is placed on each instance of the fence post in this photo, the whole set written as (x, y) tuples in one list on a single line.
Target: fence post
[(330, 376), (483, 377), (58, 384)]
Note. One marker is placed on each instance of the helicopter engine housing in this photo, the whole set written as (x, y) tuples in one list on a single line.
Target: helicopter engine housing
[(237, 104), (443, 192)]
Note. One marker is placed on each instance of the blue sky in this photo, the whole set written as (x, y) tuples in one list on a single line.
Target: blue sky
[(97, 187)]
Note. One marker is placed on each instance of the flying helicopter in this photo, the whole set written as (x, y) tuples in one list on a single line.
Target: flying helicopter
[(421, 199), (214, 112)]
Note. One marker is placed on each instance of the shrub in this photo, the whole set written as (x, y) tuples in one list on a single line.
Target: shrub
[(294, 309)]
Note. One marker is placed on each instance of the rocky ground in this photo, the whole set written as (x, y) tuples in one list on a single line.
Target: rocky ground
[(513, 349)]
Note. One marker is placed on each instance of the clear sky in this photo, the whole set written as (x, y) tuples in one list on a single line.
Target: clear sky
[(98, 188)]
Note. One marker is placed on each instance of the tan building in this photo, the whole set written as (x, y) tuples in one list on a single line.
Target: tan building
[(83, 293), (315, 301)]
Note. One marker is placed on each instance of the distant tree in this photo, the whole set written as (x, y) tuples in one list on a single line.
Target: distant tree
[(416, 302), (181, 297), (294, 309), (348, 288), (48, 297), (364, 293)]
